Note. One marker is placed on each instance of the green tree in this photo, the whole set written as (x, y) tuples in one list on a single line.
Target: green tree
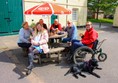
[(107, 6)]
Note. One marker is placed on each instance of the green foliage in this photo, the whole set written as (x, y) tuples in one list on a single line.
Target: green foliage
[(101, 20), (32, 25), (108, 6)]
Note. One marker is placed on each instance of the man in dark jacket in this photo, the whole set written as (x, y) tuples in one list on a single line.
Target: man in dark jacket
[(88, 37), (41, 22)]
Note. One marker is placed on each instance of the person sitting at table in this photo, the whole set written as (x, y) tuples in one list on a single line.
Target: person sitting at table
[(41, 22), (24, 36), (55, 27), (72, 31), (39, 44), (88, 38)]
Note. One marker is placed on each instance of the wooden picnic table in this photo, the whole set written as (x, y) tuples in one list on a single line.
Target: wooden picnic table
[(54, 47), (58, 35)]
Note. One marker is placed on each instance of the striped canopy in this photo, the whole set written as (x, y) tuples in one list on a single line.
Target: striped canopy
[(47, 9)]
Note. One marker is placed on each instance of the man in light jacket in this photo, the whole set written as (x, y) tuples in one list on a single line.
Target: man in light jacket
[(72, 31)]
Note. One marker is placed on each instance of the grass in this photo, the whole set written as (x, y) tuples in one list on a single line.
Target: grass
[(102, 20)]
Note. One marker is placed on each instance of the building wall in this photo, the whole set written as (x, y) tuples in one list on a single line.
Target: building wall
[(81, 5), (115, 22)]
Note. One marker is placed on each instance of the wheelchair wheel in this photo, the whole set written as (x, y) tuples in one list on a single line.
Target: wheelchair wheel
[(102, 57), (82, 54)]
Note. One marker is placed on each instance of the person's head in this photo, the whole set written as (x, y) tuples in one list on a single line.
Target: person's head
[(69, 24), (39, 28), (56, 22), (41, 21), (88, 25), (25, 25)]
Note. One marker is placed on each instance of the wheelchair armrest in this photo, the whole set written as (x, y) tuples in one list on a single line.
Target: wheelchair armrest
[(95, 43)]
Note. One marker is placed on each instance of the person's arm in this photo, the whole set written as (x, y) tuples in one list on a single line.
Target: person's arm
[(44, 39), (74, 30), (59, 27), (51, 28), (66, 29), (81, 35), (45, 26), (31, 31), (22, 35)]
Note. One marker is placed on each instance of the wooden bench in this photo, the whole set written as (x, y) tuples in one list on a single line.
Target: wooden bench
[(59, 45), (48, 55)]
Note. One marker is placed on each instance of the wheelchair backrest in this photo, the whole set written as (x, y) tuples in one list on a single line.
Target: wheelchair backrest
[(95, 43)]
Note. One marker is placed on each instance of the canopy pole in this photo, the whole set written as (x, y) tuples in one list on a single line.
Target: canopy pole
[(48, 22)]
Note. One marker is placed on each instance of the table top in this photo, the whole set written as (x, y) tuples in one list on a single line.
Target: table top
[(58, 35)]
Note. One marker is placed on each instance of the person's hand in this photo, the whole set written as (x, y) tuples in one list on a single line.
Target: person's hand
[(69, 43), (29, 39), (57, 30), (81, 34), (80, 41), (34, 43), (53, 29)]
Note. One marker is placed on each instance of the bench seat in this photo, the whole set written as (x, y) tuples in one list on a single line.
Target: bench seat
[(56, 51)]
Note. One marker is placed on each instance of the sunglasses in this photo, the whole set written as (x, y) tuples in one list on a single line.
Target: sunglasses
[(88, 25)]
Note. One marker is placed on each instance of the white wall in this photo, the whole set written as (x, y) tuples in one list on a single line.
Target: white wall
[(115, 22), (81, 5)]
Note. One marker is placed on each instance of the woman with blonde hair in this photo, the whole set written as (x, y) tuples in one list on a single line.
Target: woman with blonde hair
[(39, 44)]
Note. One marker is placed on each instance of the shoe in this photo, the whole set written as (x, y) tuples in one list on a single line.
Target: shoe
[(28, 72), (30, 67)]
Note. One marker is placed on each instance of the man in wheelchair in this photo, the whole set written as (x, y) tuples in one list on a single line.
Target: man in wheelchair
[(88, 38)]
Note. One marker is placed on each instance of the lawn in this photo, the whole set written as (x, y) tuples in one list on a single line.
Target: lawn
[(102, 20)]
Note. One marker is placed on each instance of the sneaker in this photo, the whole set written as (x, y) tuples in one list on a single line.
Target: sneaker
[(28, 72), (30, 67)]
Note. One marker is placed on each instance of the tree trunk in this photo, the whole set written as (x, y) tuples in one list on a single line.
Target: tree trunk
[(97, 13)]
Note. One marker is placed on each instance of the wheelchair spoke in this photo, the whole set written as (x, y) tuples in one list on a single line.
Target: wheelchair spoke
[(82, 54)]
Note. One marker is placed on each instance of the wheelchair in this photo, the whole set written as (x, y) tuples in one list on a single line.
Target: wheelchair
[(83, 53)]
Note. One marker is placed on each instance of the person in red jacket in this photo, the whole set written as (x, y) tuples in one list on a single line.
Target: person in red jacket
[(88, 38), (56, 26)]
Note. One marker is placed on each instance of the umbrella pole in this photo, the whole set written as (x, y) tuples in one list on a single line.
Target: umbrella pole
[(48, 22)]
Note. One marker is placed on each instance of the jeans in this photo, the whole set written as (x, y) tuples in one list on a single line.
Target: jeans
[(55, 40), (65, 40), (76, 44), (31, 56), (24, 45)]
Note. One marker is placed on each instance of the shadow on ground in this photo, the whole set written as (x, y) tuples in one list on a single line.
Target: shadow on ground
[(15, 56), (110, 29)]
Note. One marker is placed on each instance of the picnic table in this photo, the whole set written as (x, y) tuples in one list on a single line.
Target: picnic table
[(55, 48), (58, 35)]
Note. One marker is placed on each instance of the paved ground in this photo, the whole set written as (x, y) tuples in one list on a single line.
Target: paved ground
[(12, 69), (13, 64)]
